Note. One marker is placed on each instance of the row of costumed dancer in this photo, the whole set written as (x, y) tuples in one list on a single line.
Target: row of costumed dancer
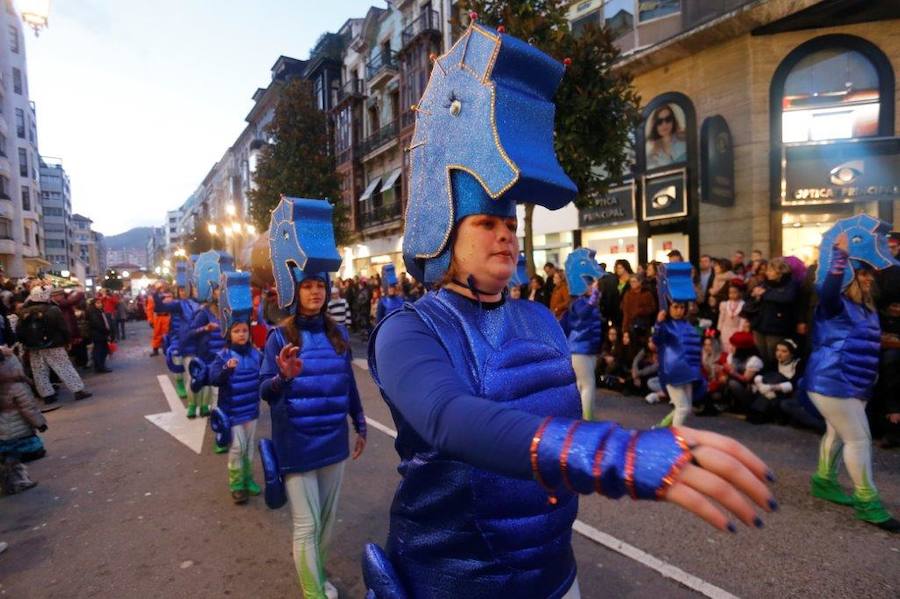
[(490, 397)]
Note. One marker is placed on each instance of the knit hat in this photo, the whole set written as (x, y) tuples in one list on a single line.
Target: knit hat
[(742, 340), (39, 293)]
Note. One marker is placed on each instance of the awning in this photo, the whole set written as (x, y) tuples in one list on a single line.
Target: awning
[(370, 189), (392, 179)]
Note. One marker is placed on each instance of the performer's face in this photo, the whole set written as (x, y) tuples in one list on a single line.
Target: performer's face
[(486, 247), (865, 278), (312, 296), (240, 333)]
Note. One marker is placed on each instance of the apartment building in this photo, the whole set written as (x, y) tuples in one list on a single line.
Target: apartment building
[(56, 204)]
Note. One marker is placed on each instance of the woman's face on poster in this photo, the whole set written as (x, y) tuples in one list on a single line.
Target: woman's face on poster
[(664, 122)]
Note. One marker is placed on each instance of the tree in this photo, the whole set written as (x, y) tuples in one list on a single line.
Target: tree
[(597, 108), (200, 240), (298, 161)]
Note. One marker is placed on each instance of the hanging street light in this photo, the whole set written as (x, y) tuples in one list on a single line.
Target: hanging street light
[(35, 13)]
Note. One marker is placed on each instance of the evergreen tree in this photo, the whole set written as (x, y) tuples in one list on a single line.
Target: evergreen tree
[(596, 106), (298, 161), (200, 240)]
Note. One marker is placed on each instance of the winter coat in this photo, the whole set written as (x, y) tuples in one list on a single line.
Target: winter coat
[(238, 386), (57, 333), (207, 343), (559, 299), (638, 307), (583, 326), (67, 307), (679, 349), (100, 323), (19, 412), (777, 308)]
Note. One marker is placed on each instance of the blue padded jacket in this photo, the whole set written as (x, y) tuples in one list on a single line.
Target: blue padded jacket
[(583, 326), (182, 312), (309, 412), (386, 305), (207, 343), (238, 387), (679, 346)]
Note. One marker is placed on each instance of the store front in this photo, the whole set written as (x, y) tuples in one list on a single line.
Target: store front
[(367, 258), (609, 227)]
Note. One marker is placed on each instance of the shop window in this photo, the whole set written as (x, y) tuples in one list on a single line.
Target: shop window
[(830, 94), (618, 17), (655, 9), (17, 81)]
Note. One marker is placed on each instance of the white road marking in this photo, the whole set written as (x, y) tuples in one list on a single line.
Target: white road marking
[(621, 547), (175, 422)]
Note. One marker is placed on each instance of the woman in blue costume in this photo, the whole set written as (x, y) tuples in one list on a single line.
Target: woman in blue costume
[(307, 378), (843, 366), (181, 346), (492, 451)]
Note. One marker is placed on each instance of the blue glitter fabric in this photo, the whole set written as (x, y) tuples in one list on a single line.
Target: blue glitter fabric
[(867, 238), (301, 245), (235, 299), (581, 270), (207, 270), (483, 141), (520, 277), (388, 275), (674, 283)]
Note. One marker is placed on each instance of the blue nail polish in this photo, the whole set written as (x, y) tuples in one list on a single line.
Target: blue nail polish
[(731, 527), (773, 505), (757, 522), (770, 476)]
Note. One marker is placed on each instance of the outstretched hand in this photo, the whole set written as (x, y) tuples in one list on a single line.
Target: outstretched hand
[(359, 446), (289, 365), (726, 472)]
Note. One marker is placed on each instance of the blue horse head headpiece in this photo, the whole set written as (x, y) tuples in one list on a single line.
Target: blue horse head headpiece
[(582, 270), (675, 284), (235, 299), (483, 141), (520, 277), (182, 276), (301, 245), (388, 275), (207, 270), (867, 238)]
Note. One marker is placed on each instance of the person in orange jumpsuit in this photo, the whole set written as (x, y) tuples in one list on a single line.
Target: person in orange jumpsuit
[(160, 321)]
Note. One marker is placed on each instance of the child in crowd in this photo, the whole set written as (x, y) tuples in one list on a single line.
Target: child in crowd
[(711, 361), (740, 368), (235, 371), (773, 386), (611, 368), (730, 319), (644, 371), (20, 416)]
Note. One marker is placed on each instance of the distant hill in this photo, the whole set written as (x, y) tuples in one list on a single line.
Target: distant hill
[(135, 238)]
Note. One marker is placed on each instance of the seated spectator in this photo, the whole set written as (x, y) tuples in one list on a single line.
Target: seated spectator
[(774, 385), (644, 371), (638, 306), (612, 369), (536, 290), (737, 374), (712, 360), (730, 319)]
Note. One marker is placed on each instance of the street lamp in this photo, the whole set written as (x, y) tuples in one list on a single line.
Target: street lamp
[(251, 230), (125, 274), (157, 270), (167, 263), (64, 274), (35, 13), (230, 210)]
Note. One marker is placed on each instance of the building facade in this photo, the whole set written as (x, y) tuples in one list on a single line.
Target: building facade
[(21, 238), (56, 204)]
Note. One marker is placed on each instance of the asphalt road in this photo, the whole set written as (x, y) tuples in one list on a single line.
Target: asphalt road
[(123, 509)]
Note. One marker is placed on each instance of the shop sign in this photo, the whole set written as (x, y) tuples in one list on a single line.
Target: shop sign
[(841, 172), (716, 162), (616, 207), (664, 195)]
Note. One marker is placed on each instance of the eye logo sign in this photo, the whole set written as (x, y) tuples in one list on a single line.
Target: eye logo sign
[(847, 173), (664, 197)]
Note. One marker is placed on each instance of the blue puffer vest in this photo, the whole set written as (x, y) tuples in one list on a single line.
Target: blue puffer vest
[(187, 344), (456, 530), (844, 360), (309, 423), (210, 343), (239, 398), (679, 346), (585, 327)]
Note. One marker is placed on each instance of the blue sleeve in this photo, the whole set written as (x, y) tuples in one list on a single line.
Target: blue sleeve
[(830, 289), (271, 386), (165, 307), (380, 311), (356, 410), (564, 321), (198, 322), (416, 374), (660, 333), (218, 373)]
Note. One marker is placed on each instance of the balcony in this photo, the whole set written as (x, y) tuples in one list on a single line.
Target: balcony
[(429, 22), (5, 168), (380, 66), (347, 154), (7, 244), (407, 119), (386, 134), (369, 215), (354, 88)]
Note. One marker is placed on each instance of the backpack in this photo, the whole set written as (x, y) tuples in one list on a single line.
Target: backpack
[(33, 331)]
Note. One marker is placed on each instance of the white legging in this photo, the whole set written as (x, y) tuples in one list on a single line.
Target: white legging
[(241, 444), (681, 397), (847, 433), (313, 498), (584, 365)]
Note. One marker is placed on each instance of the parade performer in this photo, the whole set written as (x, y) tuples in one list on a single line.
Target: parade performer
[(180, 347), (204, 330), (393, 295), (235, 371), (481, 389), (843, 366), (307, 378), (583, 324), (159, 320), (677, 341)]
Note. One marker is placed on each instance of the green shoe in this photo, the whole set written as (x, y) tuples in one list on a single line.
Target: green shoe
[(220, 448), (251, 485), (829, 490), (236, 479), (871, 511), (192, 411), (204, 411), (179, 389)]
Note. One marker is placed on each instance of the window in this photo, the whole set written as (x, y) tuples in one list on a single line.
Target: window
[(26, 198), (20, 123), (13, 39), (654, 9), (27, 239), (4, 188), (55, 243), (2, 145), (830, 94), (23, 162), (53, 212), (580, 23), (17, 81), (5, 228), (618, 17)]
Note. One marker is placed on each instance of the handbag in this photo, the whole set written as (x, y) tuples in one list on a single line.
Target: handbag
[(113, 346)]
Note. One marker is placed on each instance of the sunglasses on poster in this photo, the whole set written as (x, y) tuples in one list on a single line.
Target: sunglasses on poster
[(665, 119)]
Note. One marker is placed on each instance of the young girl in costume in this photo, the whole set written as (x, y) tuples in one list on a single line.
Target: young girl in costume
[(843, 366), (307, 378), (235, 371), (181, 347), (492, 450)]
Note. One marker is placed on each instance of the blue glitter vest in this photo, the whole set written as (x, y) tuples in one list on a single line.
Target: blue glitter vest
[(457, 530)]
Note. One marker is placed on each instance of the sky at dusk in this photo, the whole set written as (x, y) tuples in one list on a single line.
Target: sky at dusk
[(140, 99)]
